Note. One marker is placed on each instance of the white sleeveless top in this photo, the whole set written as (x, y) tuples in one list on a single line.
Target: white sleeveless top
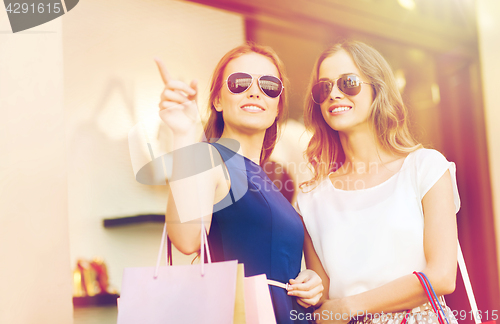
[(366, 238)]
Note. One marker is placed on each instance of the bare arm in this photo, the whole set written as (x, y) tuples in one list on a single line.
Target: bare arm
[(192, 191), (308, 286), (313, 262), (194, 198)]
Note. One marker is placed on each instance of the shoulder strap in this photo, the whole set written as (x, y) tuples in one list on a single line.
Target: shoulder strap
[(225, 155), (223, 151), (468, 286)]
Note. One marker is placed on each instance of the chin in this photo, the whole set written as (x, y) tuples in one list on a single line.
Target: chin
[(342, 125), (256, 127), (339, 127)]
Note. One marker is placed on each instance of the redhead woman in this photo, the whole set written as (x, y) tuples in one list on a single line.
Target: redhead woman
[(379, 206), (258, 227)]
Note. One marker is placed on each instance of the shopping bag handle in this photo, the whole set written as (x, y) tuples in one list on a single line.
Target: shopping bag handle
[(432, 297), (168, 255), (467, 284), (169, 251)]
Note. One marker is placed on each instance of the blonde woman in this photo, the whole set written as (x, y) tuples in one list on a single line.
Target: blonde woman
[(379, 206)]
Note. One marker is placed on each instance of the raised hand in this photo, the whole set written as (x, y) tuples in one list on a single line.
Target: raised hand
[(178, 108)]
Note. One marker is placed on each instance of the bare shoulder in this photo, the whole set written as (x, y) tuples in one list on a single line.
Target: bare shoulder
[(220, 175)]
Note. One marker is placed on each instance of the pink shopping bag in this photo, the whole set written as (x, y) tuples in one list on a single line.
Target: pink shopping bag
[(200, 293), (258, 304)]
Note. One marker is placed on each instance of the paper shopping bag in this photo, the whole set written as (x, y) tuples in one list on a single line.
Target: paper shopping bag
[(239, 305), (183, 294), (179, 294), (258, 304)]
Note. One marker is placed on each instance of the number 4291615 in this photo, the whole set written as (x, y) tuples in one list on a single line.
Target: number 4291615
[(32, 8)]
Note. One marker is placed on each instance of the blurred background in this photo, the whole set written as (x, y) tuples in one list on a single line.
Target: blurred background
[(72, 89)]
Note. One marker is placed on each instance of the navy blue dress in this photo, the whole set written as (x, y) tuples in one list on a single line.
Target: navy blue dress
[(257, 226)]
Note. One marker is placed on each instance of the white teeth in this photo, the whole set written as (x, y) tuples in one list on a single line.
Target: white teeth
[(339, 109), (252, 108)]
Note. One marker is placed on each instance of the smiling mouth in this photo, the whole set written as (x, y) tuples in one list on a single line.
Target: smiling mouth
[(252, 108), (339, 109)]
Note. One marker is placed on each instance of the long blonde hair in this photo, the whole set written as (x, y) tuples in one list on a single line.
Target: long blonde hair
[(388, 112), (215, 124)]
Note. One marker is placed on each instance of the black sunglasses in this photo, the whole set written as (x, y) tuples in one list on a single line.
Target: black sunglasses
[(239, 82), (349, 84)]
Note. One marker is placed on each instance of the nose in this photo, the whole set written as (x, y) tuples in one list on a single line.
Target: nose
[(336, 93), (254, 91)]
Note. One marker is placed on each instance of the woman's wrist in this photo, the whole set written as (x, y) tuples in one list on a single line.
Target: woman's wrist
[(184, 139), (319, 304), (347, 307), (340, 306)]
